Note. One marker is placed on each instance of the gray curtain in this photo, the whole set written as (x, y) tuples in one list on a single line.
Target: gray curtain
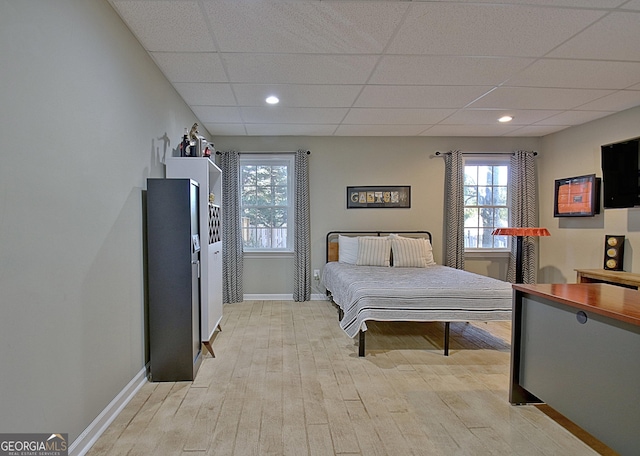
[(524, 213), (232, 264), (454, 209), (302, 235)]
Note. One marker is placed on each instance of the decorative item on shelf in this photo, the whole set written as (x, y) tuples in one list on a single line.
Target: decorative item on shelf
[(613, 252), (198, 145), (193, 140), (212, 198), (520, 232), (193, 133), (184, 145)]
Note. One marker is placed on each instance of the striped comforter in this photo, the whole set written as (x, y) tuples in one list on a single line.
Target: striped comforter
[(434, 293)]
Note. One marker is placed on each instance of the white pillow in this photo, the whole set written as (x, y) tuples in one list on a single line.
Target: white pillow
[(347, 249), (411, 253), (373, 251)]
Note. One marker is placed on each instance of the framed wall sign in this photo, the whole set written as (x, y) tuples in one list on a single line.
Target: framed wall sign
[(577, 196), (375, 196)]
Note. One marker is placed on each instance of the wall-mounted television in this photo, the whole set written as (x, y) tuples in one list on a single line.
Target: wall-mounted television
[(620, 174), (577, 196)]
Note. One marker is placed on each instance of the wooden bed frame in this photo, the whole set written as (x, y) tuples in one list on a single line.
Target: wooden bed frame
[(331, 254)]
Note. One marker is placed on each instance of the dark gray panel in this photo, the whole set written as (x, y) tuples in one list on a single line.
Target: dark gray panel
[(174, 319), (586, 371)]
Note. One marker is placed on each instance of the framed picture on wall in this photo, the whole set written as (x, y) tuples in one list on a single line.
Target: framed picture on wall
[(367, 197), (577, 196)]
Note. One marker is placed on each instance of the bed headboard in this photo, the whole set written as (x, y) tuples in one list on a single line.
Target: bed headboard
[(332, 239)]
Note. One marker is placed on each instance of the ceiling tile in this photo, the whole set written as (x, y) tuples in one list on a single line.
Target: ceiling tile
[(221, 129), (398, 68), (298, 95), (205, 93), (304, 27), (280, 115), (615, 37), (390, 116), (290, 130), (217, 114), (617, 101), (562, 3), (443, 28), (633, 5), (536, 130), (299, 68), (379, 130), (468, 130), (446, 70), (190, 67), (490, 116), (538, 98), (166, 25), (587, 74), (418, 96), (573, 117)]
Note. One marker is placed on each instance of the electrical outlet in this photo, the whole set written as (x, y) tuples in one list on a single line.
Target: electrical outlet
[(316, 274)]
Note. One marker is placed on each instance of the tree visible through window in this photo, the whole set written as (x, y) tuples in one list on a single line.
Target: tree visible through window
[(267, 202), (485, 205)]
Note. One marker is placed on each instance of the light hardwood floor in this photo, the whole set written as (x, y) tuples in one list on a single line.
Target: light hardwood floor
[(286, 380)]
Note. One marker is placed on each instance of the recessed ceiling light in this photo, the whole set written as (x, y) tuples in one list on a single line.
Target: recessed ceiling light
[(272, 100), (505, 119)]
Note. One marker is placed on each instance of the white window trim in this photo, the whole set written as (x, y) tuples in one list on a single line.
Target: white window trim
[(266, 254), (486, 253), (271, 159), (478, 159)]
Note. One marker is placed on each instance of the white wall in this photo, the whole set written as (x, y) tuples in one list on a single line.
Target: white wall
[(338, 162), (577, 242), (84, 114)]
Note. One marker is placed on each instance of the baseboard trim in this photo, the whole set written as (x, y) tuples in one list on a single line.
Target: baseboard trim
[(90, 435), (280, 297)]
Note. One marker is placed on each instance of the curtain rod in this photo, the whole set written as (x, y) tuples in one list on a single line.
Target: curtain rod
[(484, 153), (267, 152)]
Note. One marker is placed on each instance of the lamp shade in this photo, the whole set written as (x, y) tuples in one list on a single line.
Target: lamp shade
[(523, 231)]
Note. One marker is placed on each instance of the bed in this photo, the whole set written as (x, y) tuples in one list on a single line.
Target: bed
[(383, 276)]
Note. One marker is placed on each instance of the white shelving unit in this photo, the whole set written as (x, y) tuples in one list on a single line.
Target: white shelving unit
[(209, 176)]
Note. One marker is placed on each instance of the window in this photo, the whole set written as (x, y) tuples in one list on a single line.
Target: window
[(266, 200), (486, 203)]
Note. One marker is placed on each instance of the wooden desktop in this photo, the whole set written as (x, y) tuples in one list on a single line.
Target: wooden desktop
[(620, 278)]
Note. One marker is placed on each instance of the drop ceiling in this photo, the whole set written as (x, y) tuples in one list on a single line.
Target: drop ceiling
[(394, 68)]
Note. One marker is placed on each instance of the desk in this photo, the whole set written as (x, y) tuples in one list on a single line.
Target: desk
[(575, 347), (621, 278)]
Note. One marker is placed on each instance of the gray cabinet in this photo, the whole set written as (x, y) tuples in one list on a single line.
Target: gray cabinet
[(575, 347), (173, 270)]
